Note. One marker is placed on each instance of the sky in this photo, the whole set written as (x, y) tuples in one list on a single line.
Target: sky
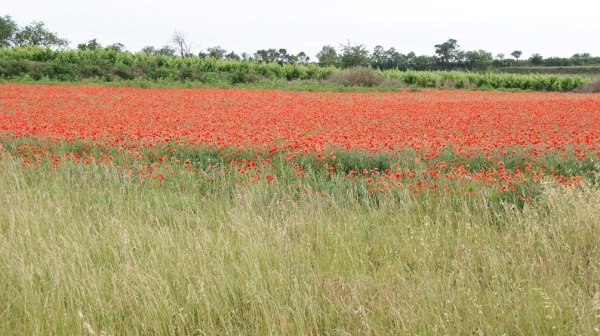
[(550, 28)]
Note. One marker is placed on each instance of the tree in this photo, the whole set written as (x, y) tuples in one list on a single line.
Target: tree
[(36, 34), (536, 59), (447, 51), (166, 50), (354, 55), (423, 62), (379, 58), (270, 55), (245, 56), (585, 57), (394, 58), (411, 60), (89, 45), (302, 58), (328, 56), (118, 47), (216, 52), (8, 29), (485, 58), (149, 50), (284, 57), (478, 59), (401, 61), (516, 54), (261, 55), (181, 42), (500, 59), (232, 56), (472, 58)]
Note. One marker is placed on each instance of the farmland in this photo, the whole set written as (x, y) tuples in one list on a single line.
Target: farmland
[(227, 211)]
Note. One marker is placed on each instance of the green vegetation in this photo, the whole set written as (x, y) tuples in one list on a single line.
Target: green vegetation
[(86, 248), (30, 54), (110, 64), (201, 246), (582, 70), (106, 65), (34, 34)]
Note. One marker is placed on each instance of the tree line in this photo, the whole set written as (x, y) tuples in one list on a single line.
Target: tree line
[(448, 55)]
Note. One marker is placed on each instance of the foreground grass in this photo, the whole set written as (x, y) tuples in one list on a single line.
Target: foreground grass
[(169, 259)]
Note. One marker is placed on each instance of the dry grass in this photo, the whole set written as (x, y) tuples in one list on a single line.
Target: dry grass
[(447, 84), (592, 87), (357, 76), (153, 259), (394, 82)]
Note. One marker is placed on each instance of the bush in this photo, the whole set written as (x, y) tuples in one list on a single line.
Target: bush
[(124, 72), (393, 82), (243, 78), (591, 87), (357, 76)]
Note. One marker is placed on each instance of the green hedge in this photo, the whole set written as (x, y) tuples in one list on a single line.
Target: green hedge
[(108, 65)]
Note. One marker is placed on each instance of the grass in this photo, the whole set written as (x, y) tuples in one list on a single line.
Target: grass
[(85, 251)]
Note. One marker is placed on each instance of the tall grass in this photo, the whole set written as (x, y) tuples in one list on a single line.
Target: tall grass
[(86, 251)]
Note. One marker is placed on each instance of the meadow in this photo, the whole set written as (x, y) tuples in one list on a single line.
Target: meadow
[(231, 211)]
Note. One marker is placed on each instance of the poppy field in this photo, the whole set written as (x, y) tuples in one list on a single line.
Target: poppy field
[(195, 211), (503, 142)]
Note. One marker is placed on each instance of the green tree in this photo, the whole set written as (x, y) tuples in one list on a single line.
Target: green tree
[(401, 61), (379, 58), (536, 59), (270, 55), (166, 50), (516, 54), (149, 50), (285, 57), (245, 56), (393, 58), (478, 59), (8, 29), (89, 45), (232, 56), (585, 57), (447, 51), (499, 60), (422, 62), (37, 34), (302, 58), (460, 56), (354, 55), (261, 55), (118, 47), (216, 52), (328, 56)]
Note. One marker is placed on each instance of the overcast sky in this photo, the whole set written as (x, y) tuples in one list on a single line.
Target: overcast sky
[(551, 28)]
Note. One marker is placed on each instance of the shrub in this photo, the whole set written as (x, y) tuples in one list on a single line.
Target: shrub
[(357, 76), (393, 82), (243, 78), (591, 87)]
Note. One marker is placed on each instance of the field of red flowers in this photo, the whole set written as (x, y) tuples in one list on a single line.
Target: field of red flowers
[(382, 139)]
